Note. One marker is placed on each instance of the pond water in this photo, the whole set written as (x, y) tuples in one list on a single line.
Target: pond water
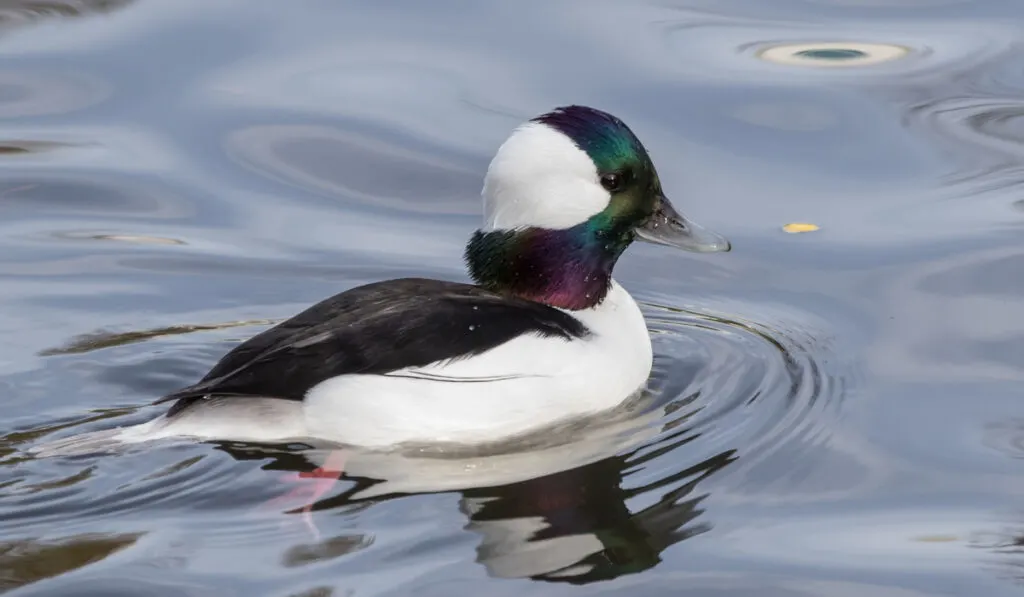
[(833, 413)]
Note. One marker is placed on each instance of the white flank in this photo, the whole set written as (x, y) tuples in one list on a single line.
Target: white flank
[(540, 381)]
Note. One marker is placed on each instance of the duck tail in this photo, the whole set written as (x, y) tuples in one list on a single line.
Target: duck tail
[(103, 441)]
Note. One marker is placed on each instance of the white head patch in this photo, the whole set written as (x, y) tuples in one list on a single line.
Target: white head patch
[(540, 178)]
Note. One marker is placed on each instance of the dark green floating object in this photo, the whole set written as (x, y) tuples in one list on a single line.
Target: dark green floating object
[(832, 54)]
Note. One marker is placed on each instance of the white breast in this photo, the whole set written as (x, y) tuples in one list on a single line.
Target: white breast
[(521, 385)]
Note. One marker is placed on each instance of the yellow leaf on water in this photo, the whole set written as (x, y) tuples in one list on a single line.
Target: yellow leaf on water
[(797, 227), (936, 538)]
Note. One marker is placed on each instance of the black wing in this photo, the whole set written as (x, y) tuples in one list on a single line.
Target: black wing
[(376, 329)]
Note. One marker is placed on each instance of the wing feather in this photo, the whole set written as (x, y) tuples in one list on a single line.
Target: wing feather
[(378, 328)]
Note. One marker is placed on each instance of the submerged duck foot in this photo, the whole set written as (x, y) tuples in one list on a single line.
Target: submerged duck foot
[(324, 477)]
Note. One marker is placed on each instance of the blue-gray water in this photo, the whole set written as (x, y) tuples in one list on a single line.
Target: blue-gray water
[(834, 413)]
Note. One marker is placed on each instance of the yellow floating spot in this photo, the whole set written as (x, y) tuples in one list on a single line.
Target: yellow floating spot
[(797, 227), (936, 538)]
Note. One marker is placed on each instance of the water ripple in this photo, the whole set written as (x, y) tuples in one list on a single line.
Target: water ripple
[(26, 93), (726, 392), (983, 135), (779, 52), (351, 165), (761, 386), (23, 12)]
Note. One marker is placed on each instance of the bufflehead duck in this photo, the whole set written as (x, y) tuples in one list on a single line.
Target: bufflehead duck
[(544, 334)]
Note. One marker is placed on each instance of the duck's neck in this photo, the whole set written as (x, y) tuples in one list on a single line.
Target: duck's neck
[(568, 268)]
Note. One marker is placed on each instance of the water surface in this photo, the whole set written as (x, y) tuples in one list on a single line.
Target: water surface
[(833, 413)]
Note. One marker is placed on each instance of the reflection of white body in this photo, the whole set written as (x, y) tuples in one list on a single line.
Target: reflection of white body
[(510, 547), (552, 450)]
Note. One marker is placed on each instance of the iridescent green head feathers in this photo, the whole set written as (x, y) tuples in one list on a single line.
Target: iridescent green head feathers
[(563, 198), (623, 166)]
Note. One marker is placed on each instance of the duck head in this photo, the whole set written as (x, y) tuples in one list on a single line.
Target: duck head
[(563, 197)]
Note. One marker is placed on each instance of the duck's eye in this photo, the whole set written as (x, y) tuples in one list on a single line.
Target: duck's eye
[(613, 181)]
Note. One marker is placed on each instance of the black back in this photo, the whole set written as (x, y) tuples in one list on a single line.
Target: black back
[(375, 329)]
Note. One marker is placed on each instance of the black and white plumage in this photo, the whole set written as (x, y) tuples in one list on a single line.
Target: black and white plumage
[(544, 335), (377, 329)]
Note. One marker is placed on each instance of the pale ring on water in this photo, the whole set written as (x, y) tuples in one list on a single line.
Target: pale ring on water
[(833, 54)]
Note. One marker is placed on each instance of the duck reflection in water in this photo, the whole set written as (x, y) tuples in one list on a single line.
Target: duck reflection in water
[(573, 526)]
